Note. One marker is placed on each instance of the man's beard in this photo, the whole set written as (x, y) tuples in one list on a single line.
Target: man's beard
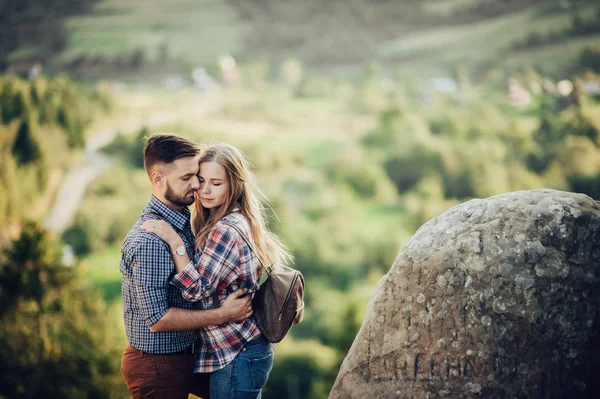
[(178, 200)]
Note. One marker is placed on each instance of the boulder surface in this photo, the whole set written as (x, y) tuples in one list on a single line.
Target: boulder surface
[(495, 298)]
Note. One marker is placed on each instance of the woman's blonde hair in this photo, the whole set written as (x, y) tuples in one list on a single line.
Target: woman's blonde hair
[(245, 195)]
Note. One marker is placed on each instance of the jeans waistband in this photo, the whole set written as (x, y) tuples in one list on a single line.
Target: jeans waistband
[(261, 340)]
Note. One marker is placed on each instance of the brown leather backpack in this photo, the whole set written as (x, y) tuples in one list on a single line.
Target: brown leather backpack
[(278, 303)]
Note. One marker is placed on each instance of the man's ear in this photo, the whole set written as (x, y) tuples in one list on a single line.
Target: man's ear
[(158, 178)]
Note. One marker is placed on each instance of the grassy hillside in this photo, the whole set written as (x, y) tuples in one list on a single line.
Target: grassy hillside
[(193, 32), (489, 43), (428, 37)]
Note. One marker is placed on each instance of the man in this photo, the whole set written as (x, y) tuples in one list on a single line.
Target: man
[(160, 325)]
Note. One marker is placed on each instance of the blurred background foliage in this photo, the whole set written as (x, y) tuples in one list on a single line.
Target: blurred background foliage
[(363, 120)]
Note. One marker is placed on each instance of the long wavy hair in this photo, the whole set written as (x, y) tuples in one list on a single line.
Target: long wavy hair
[(244, 195)]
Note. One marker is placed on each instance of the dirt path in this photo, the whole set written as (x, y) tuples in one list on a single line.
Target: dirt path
[(73, 188)]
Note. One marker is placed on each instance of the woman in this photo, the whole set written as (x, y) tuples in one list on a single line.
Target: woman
[(238, 357)]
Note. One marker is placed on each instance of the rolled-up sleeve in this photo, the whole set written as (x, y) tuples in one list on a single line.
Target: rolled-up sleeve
[(151, 270), (214, 269)]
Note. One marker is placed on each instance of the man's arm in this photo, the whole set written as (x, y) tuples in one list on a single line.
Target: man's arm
[(233, 309)]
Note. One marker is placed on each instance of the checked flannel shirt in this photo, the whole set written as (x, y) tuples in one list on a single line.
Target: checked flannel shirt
[(222, 264), (146, 268)]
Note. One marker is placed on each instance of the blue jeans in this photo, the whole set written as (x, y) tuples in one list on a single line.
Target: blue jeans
[(245, 376)]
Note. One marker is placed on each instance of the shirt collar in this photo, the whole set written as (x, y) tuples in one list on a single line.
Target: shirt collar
[(178, 220)]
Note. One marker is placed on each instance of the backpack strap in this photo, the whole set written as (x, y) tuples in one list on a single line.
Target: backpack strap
[(263, 278)]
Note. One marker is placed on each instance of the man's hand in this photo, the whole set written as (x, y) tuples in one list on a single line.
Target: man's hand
[(235, 308)]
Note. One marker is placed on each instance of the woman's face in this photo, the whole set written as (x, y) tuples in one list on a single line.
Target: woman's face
[(214, 187)]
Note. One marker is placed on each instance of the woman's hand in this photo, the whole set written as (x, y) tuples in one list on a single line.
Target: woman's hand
[(164, 231)]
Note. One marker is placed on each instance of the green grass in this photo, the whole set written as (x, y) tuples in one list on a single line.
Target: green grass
[(488, 41), (317, 153), (196, 31), (472, 40), (101, 271)]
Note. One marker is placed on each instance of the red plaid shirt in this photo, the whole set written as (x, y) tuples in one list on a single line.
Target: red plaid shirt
[(223, 264)]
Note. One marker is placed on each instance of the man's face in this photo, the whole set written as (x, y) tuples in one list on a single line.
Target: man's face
[(181, 181)]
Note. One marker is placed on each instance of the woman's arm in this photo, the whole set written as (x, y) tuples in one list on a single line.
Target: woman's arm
[(216, 267)]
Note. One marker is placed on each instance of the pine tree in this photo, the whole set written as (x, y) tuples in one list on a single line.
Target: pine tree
[(50, 325), (26, 149)]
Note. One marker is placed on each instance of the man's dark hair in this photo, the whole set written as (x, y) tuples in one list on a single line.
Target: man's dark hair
[(166, 148)]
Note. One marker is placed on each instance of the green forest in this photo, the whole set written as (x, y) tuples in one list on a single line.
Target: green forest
[(353, 161)]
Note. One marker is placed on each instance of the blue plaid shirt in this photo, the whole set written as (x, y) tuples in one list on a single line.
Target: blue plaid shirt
[(147, 267)]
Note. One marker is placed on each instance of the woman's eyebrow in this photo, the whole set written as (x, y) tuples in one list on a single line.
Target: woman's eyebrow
[(213, 178)]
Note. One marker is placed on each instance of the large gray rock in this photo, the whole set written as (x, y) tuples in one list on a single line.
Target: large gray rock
[(495, 298)]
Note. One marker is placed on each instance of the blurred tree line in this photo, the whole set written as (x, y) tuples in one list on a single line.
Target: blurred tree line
[(51, 327), (36, 28), (42, 122)]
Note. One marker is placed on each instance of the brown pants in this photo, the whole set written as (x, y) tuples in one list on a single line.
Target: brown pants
[(150, 376)]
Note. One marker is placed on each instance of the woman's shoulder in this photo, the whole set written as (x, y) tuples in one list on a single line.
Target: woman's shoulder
[(234, 222), (236, 219)]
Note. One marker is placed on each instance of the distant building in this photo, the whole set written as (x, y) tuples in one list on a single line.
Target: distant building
[(203, 80), (591, 88), (175, 82), (447, 86), (229, 71), (442, 85), (68, 258), (518, 96)]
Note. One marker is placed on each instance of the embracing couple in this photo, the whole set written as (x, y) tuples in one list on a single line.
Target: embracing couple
[(187, 296)]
